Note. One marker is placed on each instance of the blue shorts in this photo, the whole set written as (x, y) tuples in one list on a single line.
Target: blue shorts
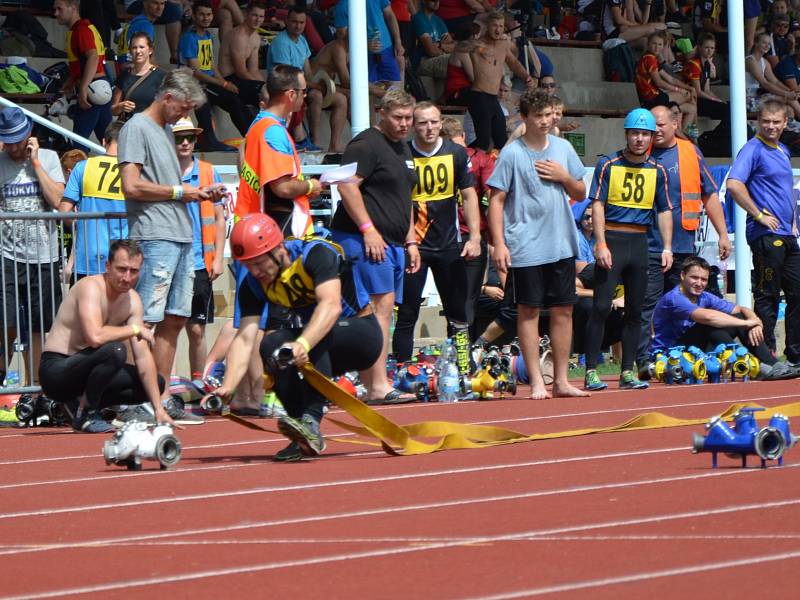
[(166, 283), (377, 278), (383, 66), (752, 9), (172, 12)]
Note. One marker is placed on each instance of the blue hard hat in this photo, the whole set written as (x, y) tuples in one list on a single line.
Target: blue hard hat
[(640, 118)]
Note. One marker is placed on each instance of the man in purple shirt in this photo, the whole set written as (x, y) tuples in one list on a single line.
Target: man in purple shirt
[(760, 181), (690, 316)]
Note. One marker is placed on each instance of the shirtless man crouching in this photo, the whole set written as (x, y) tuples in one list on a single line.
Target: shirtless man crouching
[(83, 361)]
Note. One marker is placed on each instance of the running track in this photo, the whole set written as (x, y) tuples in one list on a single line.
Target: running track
[(603, 516)]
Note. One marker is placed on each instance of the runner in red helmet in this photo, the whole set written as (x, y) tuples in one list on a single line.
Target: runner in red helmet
[(339, 332)]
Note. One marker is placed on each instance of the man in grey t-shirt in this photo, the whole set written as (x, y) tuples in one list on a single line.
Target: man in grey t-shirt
[(30, 181), (157, 216), (535, 238)]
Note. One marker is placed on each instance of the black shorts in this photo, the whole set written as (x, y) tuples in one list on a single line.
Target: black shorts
[(42, 282), (542, 286), (202, 299), (661, 100)]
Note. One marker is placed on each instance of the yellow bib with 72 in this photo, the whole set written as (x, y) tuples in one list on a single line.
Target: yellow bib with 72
[(632, 187), (435, 178), (101, 178)]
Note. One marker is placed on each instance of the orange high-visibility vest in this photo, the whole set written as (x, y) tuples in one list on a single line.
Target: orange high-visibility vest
[(691, 186), (208, 228), (262, 165)]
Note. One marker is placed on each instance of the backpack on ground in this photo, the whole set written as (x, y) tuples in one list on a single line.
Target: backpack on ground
[(618, 61)]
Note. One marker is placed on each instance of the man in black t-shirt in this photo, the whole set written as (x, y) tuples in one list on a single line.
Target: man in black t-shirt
[(443, 172), (374, 221), (312, 279)]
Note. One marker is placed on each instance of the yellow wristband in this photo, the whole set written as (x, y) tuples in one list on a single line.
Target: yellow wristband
[(137, 332), (759, 216), (310, 187), (304, 343)]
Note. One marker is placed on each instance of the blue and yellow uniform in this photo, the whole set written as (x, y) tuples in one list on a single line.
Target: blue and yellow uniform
[(95, 186)]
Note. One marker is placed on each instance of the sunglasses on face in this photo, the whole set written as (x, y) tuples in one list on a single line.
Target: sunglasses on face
[(586, 218), (179, 139)]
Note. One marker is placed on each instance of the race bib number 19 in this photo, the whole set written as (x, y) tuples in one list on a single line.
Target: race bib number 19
[(631, 187)]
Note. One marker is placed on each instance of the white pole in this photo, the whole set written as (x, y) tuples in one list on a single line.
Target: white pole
[(736, 54), (359, 74)]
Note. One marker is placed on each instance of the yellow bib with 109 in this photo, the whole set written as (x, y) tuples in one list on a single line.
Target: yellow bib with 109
[(435, 178)]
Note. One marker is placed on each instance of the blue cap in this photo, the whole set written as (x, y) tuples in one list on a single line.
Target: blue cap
[(578, 209), (14, 126), (640, 118)]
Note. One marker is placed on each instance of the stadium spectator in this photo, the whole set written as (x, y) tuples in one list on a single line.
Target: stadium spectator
[(374, 221), (103, 15), (333, 61), (788, 71), (692, 190), (385, 47), (238, 60), (86, 58), (443, 179), (781, 41), (657, 88), (621, 216), (712, 16), (227, 15), (196, 51), (94, 186), (489, 57), (208, 241), (30, 181), (761, 182), (698, 72), (752, 13), (69, 159), (534, 236), (339, 331), (481, 166), (759, 78), (459, 67), (403, 11), (625, 20), (83, 364), (460, 13), (433, 42), (582, 213), (159, 12), (136, 87), (291, 48), (271, 179), (158, 218), (688, 315)]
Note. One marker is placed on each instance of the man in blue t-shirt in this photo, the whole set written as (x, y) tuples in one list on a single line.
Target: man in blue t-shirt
[(386, 60), (208, 242), (94, 186), (761, 182), (684, 190), (788, 69), (196, 51), (690, 316)]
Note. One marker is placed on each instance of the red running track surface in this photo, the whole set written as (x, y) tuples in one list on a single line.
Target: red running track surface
[(603, 516)]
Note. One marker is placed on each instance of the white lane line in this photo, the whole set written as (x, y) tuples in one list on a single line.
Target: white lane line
[(645, 576), (330, 484), (401, 508), (436, 546), (636, 409), (413, 540)]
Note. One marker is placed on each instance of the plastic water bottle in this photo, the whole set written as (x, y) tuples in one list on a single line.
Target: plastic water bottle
[(447, 384), (722, 277)]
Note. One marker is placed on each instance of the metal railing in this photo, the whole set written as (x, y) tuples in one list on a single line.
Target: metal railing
[(42, 254)]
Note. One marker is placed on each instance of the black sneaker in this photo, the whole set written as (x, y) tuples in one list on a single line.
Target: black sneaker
[(304, 431), (143, 413), (292, 453), (178, 414), (91, 422)]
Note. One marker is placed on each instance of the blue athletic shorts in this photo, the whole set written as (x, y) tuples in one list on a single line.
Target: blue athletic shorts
[(383, 66), (752, 9), (377, 278)]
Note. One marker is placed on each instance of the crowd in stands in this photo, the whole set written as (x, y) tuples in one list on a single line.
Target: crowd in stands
[(497, 184)]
